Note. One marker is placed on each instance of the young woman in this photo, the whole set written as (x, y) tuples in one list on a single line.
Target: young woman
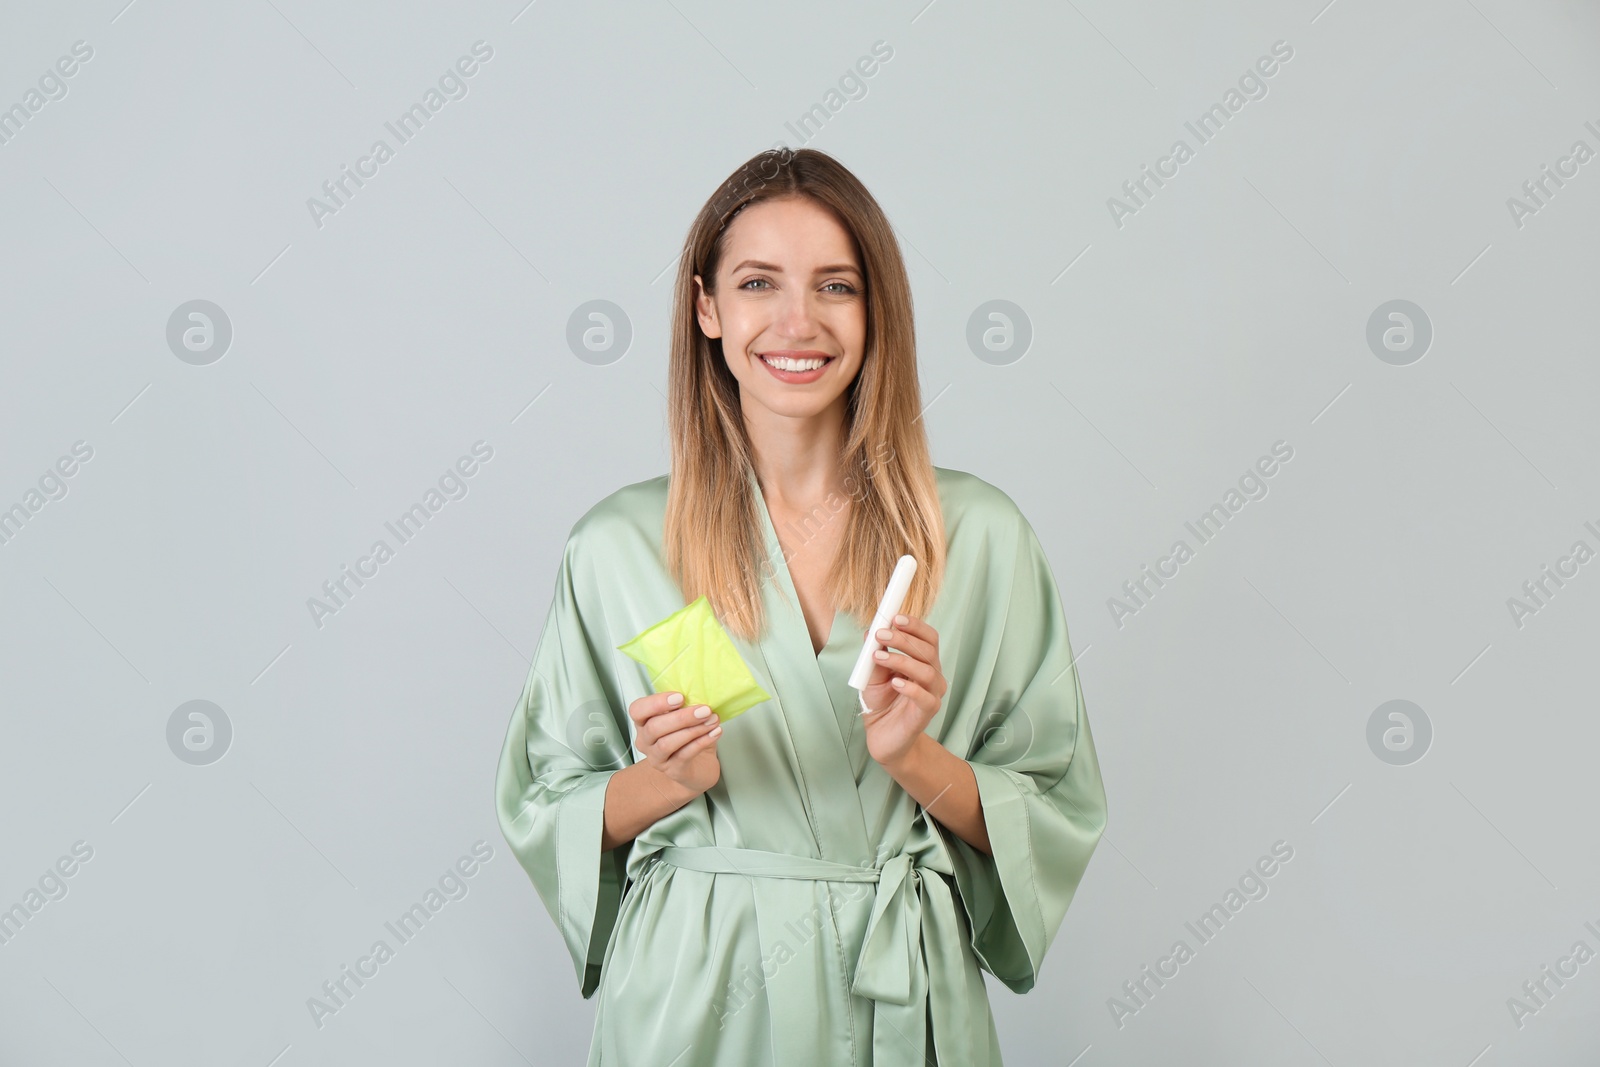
[(807, 884)]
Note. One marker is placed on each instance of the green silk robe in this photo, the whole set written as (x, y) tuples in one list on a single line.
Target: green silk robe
[(805, 911)]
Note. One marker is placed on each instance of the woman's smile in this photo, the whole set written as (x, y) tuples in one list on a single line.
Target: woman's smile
[(795, 367)]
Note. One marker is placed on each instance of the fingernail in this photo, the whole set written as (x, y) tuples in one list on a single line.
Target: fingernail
[(900, 620), (880, 654), (701, 712), (715, 732), (675, 699), (884, 635), (898, 683)]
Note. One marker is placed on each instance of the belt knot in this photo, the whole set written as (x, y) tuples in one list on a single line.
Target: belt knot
[(890, 966)]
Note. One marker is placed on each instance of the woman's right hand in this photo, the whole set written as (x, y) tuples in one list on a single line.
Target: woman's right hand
[(676, 741)]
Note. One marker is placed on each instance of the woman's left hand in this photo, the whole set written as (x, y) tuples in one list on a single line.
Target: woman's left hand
[(904, 690)]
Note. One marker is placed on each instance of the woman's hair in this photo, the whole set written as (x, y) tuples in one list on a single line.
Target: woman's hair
[(711, 535)]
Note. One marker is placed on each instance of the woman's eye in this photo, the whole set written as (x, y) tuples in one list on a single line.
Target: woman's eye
[(843, 288)]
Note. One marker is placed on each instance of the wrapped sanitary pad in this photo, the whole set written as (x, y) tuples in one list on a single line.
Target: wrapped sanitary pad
[(689, 652)]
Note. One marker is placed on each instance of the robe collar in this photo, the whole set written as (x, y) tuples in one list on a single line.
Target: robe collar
[(818, 710)]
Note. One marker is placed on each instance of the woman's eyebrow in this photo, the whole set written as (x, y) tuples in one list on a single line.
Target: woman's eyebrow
[(832, 268)]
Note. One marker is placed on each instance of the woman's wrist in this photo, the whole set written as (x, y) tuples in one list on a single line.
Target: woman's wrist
[(913, 758), (671, 791), (636, 797), (946, 786)]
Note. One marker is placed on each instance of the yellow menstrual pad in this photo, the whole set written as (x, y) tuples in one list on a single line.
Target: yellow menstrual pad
[(689, 652)]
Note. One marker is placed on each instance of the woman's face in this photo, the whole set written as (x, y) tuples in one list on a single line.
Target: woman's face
[(789, 289)]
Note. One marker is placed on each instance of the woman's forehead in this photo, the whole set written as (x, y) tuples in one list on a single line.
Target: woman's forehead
[(789, 235)]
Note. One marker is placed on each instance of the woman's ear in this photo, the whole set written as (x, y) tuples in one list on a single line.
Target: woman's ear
[(705, 310)]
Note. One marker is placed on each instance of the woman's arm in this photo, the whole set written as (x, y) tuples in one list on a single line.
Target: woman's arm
[(946, 786), (636, 797)]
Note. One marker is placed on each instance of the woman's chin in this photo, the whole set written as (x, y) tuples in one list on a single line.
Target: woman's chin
[(791, 405)]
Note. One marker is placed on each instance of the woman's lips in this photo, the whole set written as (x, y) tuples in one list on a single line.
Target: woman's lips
[(796, 377)]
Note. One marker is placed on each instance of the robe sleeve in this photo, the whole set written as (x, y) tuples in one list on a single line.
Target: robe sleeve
[(1044, 806), (567, 737)]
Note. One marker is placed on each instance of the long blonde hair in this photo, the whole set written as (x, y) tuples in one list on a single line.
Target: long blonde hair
[(711, 534)]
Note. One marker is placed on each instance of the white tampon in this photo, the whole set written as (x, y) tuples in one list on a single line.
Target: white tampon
[(893, 596)]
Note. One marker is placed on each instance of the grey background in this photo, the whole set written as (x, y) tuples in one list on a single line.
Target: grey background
[(1167, 355)]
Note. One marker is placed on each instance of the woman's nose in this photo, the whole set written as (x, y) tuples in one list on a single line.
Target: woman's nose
[(798, 315)]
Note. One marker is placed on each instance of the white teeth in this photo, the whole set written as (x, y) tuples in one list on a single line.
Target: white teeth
[(784, 363)]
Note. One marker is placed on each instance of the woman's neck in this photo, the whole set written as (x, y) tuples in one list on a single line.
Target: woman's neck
[(798, 461)]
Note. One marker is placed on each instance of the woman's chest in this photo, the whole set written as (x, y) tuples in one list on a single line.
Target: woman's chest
[(810, 546)]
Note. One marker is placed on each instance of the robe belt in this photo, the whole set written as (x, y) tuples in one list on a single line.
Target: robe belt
[(891, 968)]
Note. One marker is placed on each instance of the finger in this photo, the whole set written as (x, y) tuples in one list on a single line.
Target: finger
[(878, 676), (687, 754), (696, 745), (676, 740), (901, 664), (666, 723), (918, 628), (918, 696), (647, 707), (908, 642), (681, 719)]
